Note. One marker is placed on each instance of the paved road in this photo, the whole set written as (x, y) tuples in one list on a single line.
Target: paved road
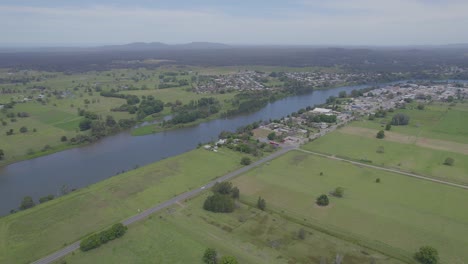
[(63, 252), (386, 169)]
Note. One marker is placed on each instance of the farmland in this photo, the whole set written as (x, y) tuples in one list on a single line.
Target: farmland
[(28, 235), (396, 216)]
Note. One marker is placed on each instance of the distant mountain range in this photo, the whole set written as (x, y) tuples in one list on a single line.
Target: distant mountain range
[(136, 46)]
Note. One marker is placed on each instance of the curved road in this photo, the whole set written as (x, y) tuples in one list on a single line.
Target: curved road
[(63, 252)]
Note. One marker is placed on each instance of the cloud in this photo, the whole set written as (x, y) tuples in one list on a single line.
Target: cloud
[(361, 22)]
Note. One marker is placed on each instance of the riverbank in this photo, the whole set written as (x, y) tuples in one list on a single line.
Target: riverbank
[(33, 233)]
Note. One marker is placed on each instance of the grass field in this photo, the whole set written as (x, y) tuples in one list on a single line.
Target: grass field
[(28, 235), (397, 216), (181, 234), (438, 121), (407, 157)]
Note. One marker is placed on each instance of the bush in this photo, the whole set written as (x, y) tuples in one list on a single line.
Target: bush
[(323, 200), (63, 138), (96, 240), (228, 260), (23, 129), (27, 203), (339, 192), (380, 134), (377, 180), (261, 203), (246, 161), (46, 198), (449, 161), (271, 136), (420, 107), (427, 255), (388, 126), (210, 256)]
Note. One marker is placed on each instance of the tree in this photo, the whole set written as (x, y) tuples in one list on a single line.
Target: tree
[(246, 161), (228, 260), (377, 180), (222, 187), (420, 107), (2, 154), (427, 255), (85, 124), (261, 203), (27, 203), (380, 134), (339, 192), (388, 126), (449, 161), (23, 129), (271, 136), (219, 203), (323, 200), (342, 94), (235, 193), (400, 119), (210, 256), (63, 138)]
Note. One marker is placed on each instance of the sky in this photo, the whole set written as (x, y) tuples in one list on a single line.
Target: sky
[(291, 22)]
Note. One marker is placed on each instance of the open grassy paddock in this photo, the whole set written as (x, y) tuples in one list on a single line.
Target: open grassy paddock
[(181, 234), (31, 234), (433, 134), (396, 216)]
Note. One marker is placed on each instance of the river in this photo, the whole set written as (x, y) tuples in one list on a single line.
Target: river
[(80, 167)]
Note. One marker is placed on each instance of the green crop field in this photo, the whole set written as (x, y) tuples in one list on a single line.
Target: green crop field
[(28, 235), (395, 216), (181, 234)]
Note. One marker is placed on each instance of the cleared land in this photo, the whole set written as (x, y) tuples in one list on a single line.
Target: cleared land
[(31, 234), (182, 233), (395, 216)]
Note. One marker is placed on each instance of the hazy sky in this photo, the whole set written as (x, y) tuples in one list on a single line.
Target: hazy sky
[(345, 22)]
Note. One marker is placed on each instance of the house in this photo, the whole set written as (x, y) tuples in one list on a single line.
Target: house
[(319, 110)]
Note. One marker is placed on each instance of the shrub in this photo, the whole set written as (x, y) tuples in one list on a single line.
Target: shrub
[(46, 198), (228, 260), (388, 126), (427, 255), (27, 203), (96, 240), (261, 203), (246, 161), (449, 161), (323, 200), (377, 180), (380, 134), (210, 256), (23, 129), (339, 192)]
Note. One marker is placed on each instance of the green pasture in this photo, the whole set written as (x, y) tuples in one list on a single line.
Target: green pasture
[(395, 216), (181, 233), (401, 156)]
